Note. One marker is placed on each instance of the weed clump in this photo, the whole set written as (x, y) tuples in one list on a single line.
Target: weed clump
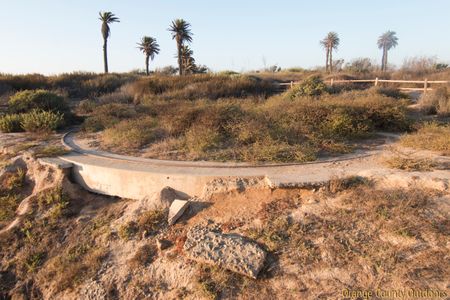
[(435, 102), (430, 136), (143, 256), (106, 116), (132, 134)]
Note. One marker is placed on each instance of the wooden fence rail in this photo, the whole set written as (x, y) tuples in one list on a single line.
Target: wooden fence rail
[(426, 83)]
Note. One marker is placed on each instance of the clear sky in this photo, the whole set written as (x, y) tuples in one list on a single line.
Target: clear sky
[(55, 36)]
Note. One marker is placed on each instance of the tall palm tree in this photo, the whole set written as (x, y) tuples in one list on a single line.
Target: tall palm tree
[(181, 32), (386, 42), (330, 43), (106, 18), (150, 48)]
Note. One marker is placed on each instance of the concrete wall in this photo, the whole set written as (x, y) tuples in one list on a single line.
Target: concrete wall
[(134, 184)]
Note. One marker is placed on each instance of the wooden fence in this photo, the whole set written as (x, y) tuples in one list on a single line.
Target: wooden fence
[(426, 83)]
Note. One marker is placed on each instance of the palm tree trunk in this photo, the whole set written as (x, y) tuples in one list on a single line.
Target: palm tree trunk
[(105, 54), (328, 56), (382, 60), (147, 58), (385, 60), (331, 60), (180, 63)]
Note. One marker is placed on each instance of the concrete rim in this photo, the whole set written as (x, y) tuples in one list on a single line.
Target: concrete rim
[(69, 142)]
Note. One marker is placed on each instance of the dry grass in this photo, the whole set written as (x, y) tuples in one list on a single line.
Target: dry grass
[(49, 151), (364, 239), (148, 223), (132, 134), (435, 102), (280, 129), (217, 283), (151, 221), (198, 87), (431, 136), (410, 164), (143, 256), (10, 195)]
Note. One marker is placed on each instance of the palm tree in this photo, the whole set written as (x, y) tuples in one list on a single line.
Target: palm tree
[(386, 42), (181, 32), (150, 48), (330, 43), (187, 60), (106, 18)]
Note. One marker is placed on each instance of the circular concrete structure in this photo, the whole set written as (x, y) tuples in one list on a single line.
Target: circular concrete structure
[(136, 178)]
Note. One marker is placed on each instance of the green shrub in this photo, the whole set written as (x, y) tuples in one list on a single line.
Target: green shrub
[(28, 100), (42, 121), (344, 123), (11, 123), (311, 86)]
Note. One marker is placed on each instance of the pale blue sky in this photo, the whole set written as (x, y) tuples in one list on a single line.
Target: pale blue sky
[(54, 36)]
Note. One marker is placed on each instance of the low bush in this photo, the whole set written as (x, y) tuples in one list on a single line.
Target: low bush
[(11, 123), (108, 115), (42, 121), (28, 100), (86, 107), (435, 102), (431, 136), (132, 134), (311, 86)]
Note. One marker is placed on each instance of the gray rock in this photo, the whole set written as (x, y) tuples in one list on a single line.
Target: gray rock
[(176, 210), (162, 199), (229, 251)]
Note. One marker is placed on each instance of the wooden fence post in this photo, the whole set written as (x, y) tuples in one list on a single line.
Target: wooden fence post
[(425, 86), (292, 84), (332, 82), (376, 81)]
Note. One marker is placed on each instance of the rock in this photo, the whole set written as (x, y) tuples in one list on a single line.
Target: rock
[(162, 199), (176, 210), (163, 244), (230, 251)]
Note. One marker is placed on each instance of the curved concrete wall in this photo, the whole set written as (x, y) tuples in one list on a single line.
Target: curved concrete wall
[(136, 180), (134, 184)]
